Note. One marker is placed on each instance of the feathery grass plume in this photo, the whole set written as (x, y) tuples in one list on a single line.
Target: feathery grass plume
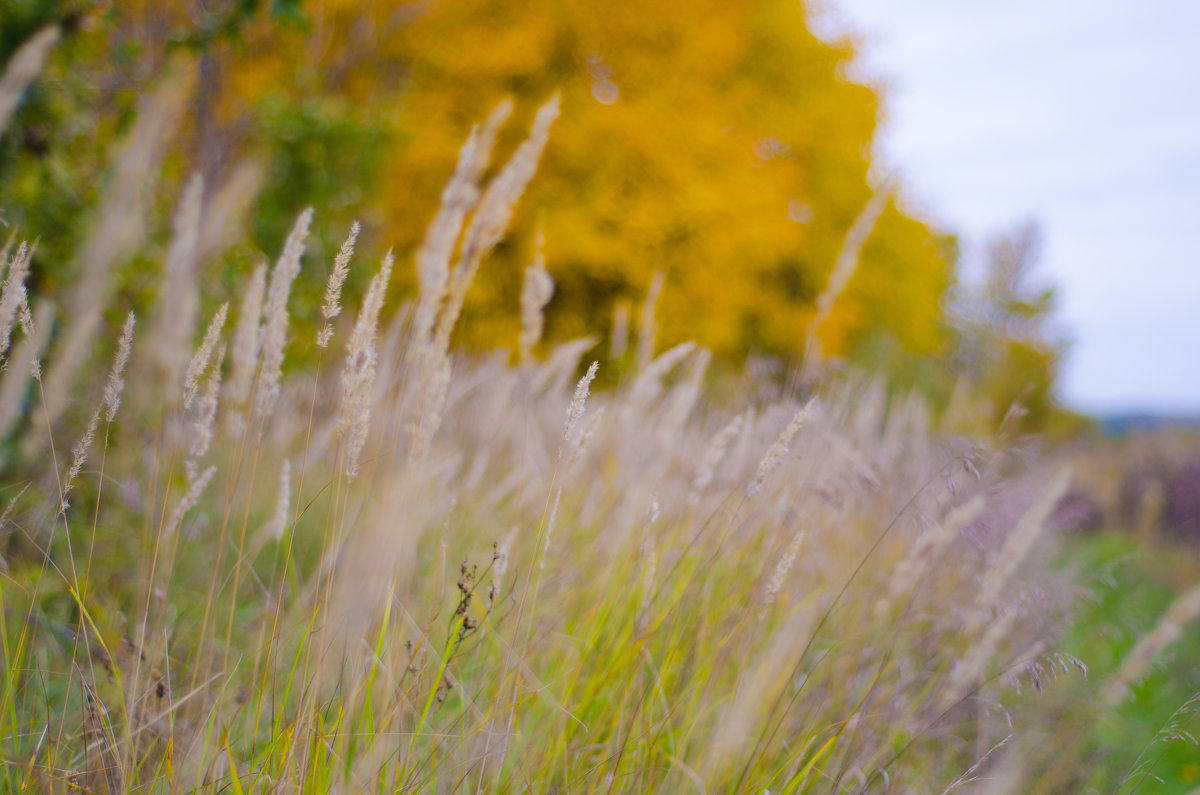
[(195, 490), (275, 317), (1016, 547), (226, 208), (175, 322), (536, 293), (205, 417), (1183, 611), (493, 215), (432, 401), (447, 288), (777, 452), (647, 328), (843, 269), (576, 408), (559, 370), (246, 344), (115, 235), (199, 361), (619, 342), (684, 396), (116, 382), (108, 405), (573, 439), (14, 378), (927, 549), (585, 437), (460, 196), (713, 456), (13, 296), (79, 455), (25, 318), (782, 567), (22, 68), (358, 374), (279, 520), (648, 383), (332, 307)]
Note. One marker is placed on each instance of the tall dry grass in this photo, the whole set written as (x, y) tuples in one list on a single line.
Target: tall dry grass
[(399, 569)]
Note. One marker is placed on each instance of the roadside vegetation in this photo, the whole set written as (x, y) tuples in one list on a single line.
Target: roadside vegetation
[(253, 543)]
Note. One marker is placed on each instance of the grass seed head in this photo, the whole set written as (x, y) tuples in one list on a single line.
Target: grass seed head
[(13, 297), (777, 452), (246, 340), (275, 317), (116, 381), (332, 307)]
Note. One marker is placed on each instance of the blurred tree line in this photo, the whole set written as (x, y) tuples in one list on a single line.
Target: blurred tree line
[(721, 144)]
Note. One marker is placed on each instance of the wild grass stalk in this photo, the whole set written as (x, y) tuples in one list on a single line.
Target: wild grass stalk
[(175, 319), (116, 233), (536, 292), (657, 591), (332, 307), (273, 335), (23, 67)]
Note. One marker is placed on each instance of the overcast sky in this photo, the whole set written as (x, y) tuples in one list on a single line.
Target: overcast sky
[(1086, 117)]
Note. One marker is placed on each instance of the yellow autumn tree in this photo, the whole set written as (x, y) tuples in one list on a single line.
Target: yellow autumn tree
[(719, 143)]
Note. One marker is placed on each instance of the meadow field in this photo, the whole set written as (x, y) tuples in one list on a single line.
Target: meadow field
[(258, 544)]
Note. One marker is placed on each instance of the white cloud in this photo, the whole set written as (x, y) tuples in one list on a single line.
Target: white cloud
[(1086, 116)]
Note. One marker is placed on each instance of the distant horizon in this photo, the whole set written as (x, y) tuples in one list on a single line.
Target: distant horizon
[(1081, 122), (1187, 417)]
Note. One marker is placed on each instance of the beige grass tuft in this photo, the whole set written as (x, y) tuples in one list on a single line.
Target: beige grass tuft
[(273, 336), (536, 293), (13, 296), (358, 374), (332, 307), (23, 67)]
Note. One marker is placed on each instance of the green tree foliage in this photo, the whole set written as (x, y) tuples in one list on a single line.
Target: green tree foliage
[(1006, 344), (52, 152)]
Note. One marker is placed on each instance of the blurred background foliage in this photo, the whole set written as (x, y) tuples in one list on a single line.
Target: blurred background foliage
[(722, 144)]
